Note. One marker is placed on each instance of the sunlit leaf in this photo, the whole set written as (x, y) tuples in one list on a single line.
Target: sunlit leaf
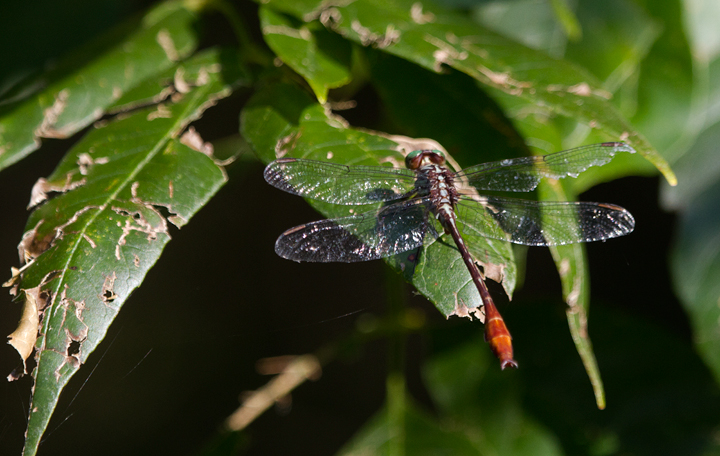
[(83, 85), (112, 200), (433, 38), (321, 57)]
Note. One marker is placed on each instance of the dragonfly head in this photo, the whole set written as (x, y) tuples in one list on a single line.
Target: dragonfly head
[(418, 158)]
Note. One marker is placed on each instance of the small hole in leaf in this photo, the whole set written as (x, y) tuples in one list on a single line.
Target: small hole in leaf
[(108, 296), (44, 299), (73, 348), (164, 211)]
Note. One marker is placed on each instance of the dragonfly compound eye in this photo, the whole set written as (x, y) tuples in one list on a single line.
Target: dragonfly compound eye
[(436, 156), (413, 159)]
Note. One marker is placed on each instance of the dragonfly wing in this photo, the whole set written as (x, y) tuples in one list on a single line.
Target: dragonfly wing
[(376, 234), (543, 223), (523, 174), (339, 184)]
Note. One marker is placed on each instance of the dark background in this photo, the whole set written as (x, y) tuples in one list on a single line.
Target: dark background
[(184, 348)]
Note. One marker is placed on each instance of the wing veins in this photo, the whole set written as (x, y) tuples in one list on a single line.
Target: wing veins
[(543, 223), (339, 184), (523, 174), (371, 235)]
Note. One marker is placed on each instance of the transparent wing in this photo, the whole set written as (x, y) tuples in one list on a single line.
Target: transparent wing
[(543, 223), (523, 174), (376, 234), (339, 184)]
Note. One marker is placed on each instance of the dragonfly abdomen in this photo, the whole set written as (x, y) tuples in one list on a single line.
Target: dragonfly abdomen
[(444, 197), (498, 336)]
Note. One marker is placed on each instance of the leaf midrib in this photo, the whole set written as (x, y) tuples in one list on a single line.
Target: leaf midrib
[(161, 144)]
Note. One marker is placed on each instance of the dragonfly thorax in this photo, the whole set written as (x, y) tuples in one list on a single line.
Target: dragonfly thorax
[(440, 186)]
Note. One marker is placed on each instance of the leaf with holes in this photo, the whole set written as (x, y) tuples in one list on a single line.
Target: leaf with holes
[(432, 37), (85, 83), (102, 222), (321, 57)]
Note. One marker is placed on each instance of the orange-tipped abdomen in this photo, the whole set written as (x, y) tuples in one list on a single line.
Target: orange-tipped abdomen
[(498, 336)]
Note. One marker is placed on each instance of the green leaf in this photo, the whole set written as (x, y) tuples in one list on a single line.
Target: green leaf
[(567, 18), (618, 36), (469, 420), (93, 243), (545, 135), (484, 404), (433, 38), (450, 108), (181, 78), (535, 24), (85, 83), (698, 170), (696, 265), (423, 435), (662, 397), (695, 256), (696, 253), (571, 262), (667, 89), (322, 58), (283, 121)]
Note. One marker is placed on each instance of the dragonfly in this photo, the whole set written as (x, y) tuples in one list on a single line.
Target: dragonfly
[(426, 200)]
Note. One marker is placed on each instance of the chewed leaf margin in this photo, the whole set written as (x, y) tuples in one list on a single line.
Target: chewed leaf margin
[(101, 222)]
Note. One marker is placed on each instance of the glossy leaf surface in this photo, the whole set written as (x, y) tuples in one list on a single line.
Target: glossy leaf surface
[(433, 38), (112, 199), (79, 90), (321, 57)]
